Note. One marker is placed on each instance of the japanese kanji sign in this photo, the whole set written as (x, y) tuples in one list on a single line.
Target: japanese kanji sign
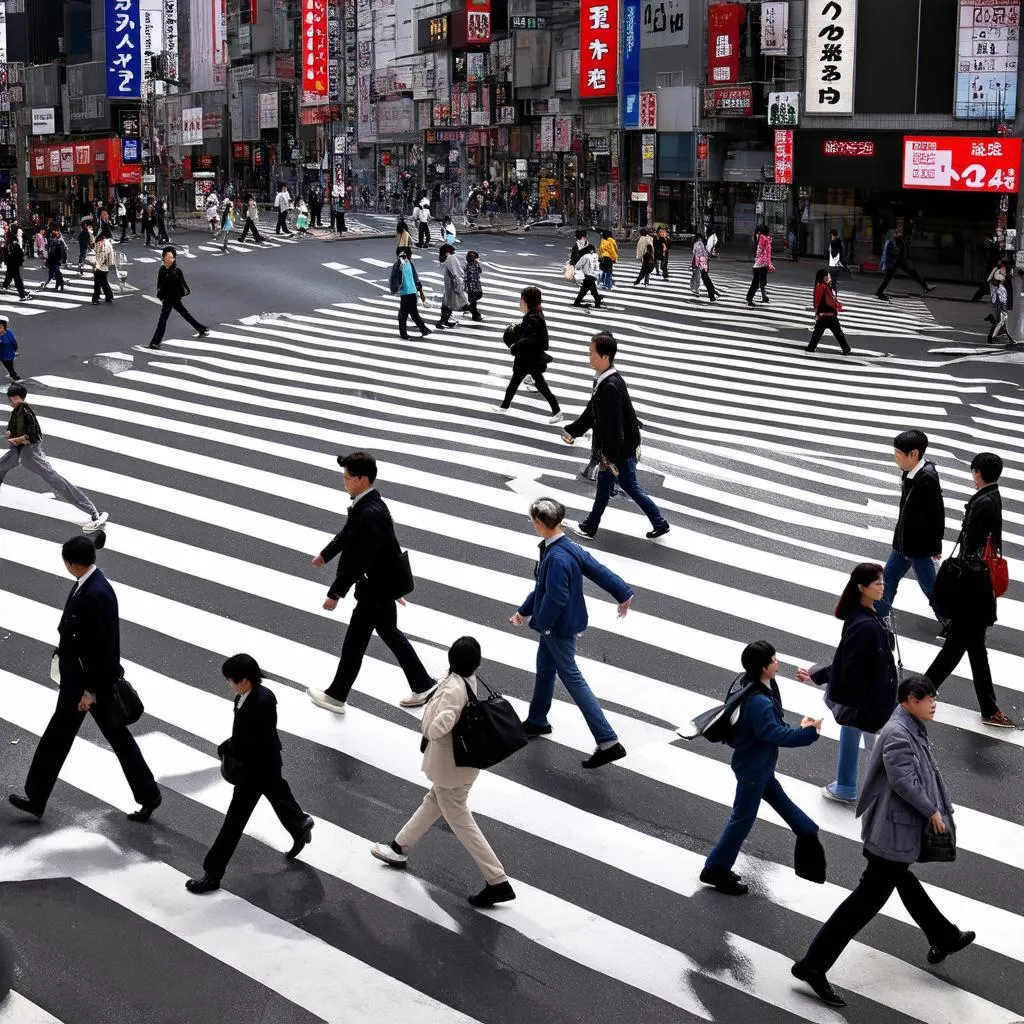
[(724, 22), (315, 74), (783, 108), (988, 38), (649, 110), (784, 156), (775, 29), (630, 106), (960, 163), (192, 126), (739, 100), (830, 56), (848, 147), (123, 31), (599, 49)]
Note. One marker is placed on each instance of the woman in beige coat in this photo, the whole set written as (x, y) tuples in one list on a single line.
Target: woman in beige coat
[(451, 784)]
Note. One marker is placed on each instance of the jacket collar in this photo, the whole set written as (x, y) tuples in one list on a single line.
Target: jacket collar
[(909, 722), (987, 489)]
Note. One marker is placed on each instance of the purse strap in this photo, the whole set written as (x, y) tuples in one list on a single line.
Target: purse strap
[(473, 698), (896, 637)]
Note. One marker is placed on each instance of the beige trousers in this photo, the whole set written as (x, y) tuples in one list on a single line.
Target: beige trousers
[(451, 805)]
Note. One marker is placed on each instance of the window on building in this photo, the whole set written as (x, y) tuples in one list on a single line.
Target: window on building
[(563, 70), (675, 155), (668, 80)]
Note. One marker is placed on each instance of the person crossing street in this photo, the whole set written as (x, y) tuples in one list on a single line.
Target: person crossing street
[(171, 288)]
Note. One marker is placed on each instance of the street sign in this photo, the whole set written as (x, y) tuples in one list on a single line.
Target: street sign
[(525, 23)]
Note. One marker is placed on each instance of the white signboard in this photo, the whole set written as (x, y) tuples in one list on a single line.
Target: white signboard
[(775, 29), (783, 109), (268, 110), (192, 126), (664, 23), (44, 120), (987, 42), (830, 56), (171, 37)]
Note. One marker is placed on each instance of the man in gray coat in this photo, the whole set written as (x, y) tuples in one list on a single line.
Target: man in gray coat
[(903, 795), (454, 290)]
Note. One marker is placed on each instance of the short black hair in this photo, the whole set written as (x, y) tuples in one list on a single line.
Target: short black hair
[(917, 687), (756, 657), (170, 249), (834, 231), (531, 296), (464, 656), (242, 666), (989, 465), (547, 511), (911, 440), (472, 256), (17, 391), (581, 233), (605, 345), (359, 464), (79, 550), (446, 250)]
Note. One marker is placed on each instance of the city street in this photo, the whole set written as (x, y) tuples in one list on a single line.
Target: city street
[(215, 458)]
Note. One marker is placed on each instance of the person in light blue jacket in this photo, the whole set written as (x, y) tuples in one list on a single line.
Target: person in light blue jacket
[(556, 609)]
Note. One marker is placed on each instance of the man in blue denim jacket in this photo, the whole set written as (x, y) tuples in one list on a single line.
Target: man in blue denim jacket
[(558, 612)]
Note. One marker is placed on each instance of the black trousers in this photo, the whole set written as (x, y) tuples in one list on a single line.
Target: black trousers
[(250, 226), (911, 272), (708, 283), (646, 269), (664, 265), (243, 802), (758, 283), (474, 298), (409, 307), (424, 234), (282, 223), (381, 615), (518, 376), (14, 274), (55, 745), (966, 638), (873, 890), (161, 230), (165, 312), (828, 323), (589, 285), (124, 228), (101, 282), (8, 365)]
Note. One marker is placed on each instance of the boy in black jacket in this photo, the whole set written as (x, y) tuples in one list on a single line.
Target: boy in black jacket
[(171, 288)]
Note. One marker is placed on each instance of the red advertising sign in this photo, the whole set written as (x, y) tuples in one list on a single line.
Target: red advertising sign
[(599, 49), (472, 27), (848, 147), (649, 111), (314, 46), (729, 101), (784, 156), (960, 163), (100, 156), (724, 22)]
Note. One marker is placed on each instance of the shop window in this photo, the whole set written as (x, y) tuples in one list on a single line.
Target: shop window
[(675, 155), (563, 70), (668, 80)]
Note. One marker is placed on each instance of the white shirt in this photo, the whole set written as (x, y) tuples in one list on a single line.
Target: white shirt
[(241, 698), (81, 579), (911, 473), (361, 494), (283, 200), (607, 373)]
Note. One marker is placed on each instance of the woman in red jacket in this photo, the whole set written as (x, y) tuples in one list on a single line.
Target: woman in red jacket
[(826, 313)]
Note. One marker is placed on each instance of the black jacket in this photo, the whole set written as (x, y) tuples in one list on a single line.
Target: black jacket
[(90, 638), (983, 515), (369, 552), (14, 257), (170, 284), (529, 344), (922, 519), (254, 739), (611, 416)]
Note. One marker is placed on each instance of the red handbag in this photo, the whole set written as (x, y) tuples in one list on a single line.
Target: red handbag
[(998, 570)]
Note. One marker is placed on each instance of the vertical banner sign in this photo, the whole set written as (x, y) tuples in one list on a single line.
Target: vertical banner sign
[(649, 111), (334, 53), (647, 142), (268, 110), (315, 75), (775, 29), (830, 56), (784, 156), (192, 126), (123, 33), (599, 49), (171, 37), (547, 134), (988, 37), (220, 41), (630, 111), (724, 22)]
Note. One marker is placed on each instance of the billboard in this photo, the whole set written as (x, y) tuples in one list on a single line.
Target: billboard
[(724, 22), (961, 163), (630, 117), (830, 56), (315, 73), (784, 156), (775, 29), (599, 49), (123, 37), (987, 41)]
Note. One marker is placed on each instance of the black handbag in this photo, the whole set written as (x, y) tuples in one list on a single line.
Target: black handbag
[(938, 847), (718, 724), (487, 731), (404, 581), (125, 706), (963, 588), (231, 768)]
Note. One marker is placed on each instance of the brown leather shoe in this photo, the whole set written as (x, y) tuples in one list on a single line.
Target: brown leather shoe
[(1000, 720)]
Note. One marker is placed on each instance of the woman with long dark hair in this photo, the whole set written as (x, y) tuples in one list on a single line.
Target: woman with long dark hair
[(528, 343), (826, 313), (862, 678)]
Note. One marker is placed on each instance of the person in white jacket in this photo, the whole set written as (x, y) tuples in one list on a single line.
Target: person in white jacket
[(448, 796), (587, 269), (282, 203)]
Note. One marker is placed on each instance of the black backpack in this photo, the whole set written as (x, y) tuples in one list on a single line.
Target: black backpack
[(719, 724)]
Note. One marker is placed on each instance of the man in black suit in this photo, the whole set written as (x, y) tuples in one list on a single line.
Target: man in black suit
[(611, 416), (255, 749), (371, 560), (89, 657)]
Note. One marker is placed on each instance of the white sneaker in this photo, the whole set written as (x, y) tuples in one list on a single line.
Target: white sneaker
[(499, 408), (416, 700), (557, 418), (829, 795), (384, 852), (321, 700), (96, 524)]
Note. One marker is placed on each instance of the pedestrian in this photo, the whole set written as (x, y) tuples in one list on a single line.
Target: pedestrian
[(56, 257), (371, 560), (903, 797), (282, 203), (101, 269), (159, 212), (792, 240), (8, 349), (302, 219), (171, 288), (148, 224), (421, 218), (454, 296), (254, 753), (14, 260), (611, 416), (587, 269), (450, 785), (920, 523), (39, 243), (998, 298), (122, 218), (448, 232), (133, 210), (227, 222), (405, 283), (700, 268), (528, 343), (608, 254), (861, 678), (251, 216), (473, 282), (645, 257), (338, 213), (213, 212), (973, 614), (760, 732), (826, 313), (557, 613), (316, 207), (579, 246), (894, 257), (85, 242), (762, 265), (836, 260), (661, 249), (403, 240)]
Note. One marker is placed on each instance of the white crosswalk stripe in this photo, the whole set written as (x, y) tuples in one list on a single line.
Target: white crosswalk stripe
[(775, 472)]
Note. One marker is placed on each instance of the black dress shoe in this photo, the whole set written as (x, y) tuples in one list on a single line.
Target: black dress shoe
[(153, 344), (24, 804), (937, 954), (491, 894), (658, 531), (724, 881), (302, 839), (818, 982), (606, 756), (536, 730), (144, 812), (198, 886)]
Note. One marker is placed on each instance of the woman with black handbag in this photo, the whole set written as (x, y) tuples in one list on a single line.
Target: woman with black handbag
[(528, 343), (449, 793), (907, 817), (862, 678)]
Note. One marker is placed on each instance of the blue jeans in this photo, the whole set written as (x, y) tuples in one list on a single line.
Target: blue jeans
[(606, 481), (896, 567), (607, 281), (558, 654), (845, 786), (750, 791)]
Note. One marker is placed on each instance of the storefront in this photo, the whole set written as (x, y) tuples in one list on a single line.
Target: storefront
[(69, 177)]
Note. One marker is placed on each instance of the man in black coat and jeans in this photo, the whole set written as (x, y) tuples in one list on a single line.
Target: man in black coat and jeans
[(983, 518), (171, 288), (371, 560)]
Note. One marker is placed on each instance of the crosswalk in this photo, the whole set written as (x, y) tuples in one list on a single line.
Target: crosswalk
[(216, 458), (77, 292)]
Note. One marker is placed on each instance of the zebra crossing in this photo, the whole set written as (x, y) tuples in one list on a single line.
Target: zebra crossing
[(77, 292), (216, 458)]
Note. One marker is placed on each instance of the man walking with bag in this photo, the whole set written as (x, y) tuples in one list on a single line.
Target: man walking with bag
[(371, 560), (557, 611), (171, 288)]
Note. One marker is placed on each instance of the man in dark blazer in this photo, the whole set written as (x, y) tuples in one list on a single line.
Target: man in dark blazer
[(611, 416), (371, 560), (89, 657), (255, 749)]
